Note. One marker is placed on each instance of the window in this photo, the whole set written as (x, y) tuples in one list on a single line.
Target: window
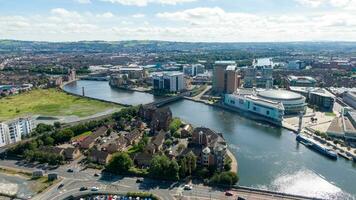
[(254, 108), (267, 112)]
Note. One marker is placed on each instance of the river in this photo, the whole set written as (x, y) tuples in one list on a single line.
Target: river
[(268, 157)]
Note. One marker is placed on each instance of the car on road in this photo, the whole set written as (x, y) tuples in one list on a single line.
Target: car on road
[(83, 189), (96, 175), (70, 170), (240, 198), (60, 186), (139, 180), (94, 189), (188, 187), (229, 193)]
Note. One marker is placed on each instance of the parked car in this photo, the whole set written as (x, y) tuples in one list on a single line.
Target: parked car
[(96, 175), (94, 188), (229, 193), (70, 170), (139, 180), (60, 186), (188, 187), (83, 189)]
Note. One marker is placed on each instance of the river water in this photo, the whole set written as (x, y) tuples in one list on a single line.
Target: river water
[(268, 157)]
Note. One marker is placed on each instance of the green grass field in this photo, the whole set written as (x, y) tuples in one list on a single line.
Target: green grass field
[(49, 102)]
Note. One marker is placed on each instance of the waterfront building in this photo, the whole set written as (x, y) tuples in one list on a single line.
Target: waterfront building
[(316, 97), (349, 97), (133, 71), (323, 100), (169, 81), (301, 81), (247, 101), (226, 78), (193, 70), (293, 103), (71, 76), (209, 147)]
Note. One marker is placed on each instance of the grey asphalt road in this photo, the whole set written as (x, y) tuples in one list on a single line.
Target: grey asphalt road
[(72, 182)]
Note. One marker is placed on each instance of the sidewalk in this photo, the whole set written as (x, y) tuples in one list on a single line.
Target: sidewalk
[(234, 167)]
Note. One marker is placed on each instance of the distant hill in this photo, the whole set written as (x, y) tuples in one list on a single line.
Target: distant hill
[(164, 46)]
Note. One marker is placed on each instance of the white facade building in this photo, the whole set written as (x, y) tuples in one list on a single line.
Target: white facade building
[(4, 134), (11, 132), (169, 81), (271, 110)]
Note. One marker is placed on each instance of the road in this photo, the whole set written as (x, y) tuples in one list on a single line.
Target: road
[(72, 182)]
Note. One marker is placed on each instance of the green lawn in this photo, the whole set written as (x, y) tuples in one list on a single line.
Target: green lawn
[(83, 135), (50, 102)]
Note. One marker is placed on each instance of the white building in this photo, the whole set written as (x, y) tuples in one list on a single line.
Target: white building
[(4, 134), (271, 110), (169, 81), (193, 70), (11, 132)]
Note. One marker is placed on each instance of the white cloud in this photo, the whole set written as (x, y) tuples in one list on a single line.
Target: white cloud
[(343, 4), (197, 24), (83, 1), (139, 15), (142, 3), (106, 15)]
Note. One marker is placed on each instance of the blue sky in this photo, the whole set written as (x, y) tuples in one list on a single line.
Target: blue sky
[(179, 20)]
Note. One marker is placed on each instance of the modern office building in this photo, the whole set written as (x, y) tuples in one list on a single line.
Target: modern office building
[(270, 110), (193, 70), (349, 97), (316, 97), (301, 81), (296, 65), (226, 77), (169, 81), (293, 103), (260, 77), (264, 79), (323, 100), (4, 134)]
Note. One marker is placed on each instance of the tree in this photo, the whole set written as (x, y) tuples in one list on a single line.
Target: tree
[(163, 168), (224, 178), (175, 125), (120, 163), (63, 136), (57, 125), (188, 164)]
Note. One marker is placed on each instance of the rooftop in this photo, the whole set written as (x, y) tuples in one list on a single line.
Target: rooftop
[(280, 95)]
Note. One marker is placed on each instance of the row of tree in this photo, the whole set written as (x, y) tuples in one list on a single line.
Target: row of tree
[(162, 167)]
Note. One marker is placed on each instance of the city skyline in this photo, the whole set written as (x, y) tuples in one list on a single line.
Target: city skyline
[(179, 20)]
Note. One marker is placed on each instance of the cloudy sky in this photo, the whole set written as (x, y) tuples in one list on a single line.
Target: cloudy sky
[(179, 20)]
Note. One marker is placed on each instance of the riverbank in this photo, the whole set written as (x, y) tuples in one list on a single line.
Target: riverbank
[(270, 152)]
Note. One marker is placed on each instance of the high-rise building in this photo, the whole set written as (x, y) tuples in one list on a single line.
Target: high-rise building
[(260, 77), (193, 70), (169, 81), (226, 78), (11, 132)]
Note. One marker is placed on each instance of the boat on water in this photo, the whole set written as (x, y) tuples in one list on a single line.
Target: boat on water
[(317, 147)]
